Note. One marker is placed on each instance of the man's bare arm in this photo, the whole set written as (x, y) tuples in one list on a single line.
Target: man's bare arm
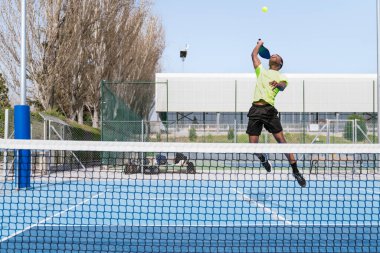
[(255, 58)]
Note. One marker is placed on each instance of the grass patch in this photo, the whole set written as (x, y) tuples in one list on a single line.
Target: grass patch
[(264, 138), (55, 113), (85, 128)]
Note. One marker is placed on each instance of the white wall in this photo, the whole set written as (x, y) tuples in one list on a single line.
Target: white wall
[(216, 93)]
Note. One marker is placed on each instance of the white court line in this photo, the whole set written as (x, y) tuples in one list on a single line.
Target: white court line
[(51, 217), (266, 209)]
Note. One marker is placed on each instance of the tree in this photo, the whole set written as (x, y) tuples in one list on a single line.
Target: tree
[(73, 45), (4, 102), (4, 99)]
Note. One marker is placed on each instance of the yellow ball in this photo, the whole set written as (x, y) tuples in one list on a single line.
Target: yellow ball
[(264, 9)]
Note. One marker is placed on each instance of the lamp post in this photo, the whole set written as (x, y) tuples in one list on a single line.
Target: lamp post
[(183, 55), (23, 53)]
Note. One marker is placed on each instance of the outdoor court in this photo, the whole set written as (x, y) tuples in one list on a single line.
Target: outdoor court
[(193, 213)]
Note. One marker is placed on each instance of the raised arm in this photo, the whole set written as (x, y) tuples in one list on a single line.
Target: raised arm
[(255, 58)]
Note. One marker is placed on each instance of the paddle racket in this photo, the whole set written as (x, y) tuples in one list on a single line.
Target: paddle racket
[(264, 52)]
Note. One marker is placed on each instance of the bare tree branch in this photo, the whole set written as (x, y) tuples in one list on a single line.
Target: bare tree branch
[(72, 45)]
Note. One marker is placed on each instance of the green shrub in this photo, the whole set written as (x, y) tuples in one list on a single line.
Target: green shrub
[(158, 137), (192, 134), (231, 133), (4, 99), (2, 119), (82, 132), (348, 128), (210, 138), (55, 113)]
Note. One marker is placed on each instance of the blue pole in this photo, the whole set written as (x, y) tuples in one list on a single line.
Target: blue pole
[(22, 115), (23, 159)]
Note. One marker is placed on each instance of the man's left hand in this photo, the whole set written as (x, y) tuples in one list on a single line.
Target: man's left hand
[(275, 85)]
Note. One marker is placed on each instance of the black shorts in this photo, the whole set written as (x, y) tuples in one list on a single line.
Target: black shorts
[(263, 115)]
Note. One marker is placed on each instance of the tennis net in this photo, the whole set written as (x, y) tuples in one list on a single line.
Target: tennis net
[(182, 197)]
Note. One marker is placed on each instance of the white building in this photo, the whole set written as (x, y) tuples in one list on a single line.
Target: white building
[(225, 97)]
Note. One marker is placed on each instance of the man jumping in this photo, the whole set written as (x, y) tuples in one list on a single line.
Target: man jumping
[(263, 113)]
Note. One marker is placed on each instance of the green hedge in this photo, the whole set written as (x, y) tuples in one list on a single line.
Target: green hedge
[(192, 134)]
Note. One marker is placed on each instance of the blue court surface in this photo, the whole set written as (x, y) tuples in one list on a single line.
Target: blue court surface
[(192, 216)]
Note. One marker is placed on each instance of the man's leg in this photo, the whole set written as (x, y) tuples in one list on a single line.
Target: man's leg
[(254, 128), (280, 138), (254, 138), (263, 159)]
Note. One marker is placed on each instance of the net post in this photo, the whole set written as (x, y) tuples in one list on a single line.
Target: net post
[(23, 158), (22, 114)]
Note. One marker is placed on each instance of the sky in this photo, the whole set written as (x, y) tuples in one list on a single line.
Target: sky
[(312, 36)]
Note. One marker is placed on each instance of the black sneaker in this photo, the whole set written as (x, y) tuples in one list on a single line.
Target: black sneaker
[(267, 165), (301, 181)]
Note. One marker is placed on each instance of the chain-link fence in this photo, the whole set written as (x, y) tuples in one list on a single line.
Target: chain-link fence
[(47, 127), (7, 124), (59, 131), (330, 131), (124, 106)]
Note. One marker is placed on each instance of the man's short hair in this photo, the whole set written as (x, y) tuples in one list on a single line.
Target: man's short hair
[(282, 61)]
